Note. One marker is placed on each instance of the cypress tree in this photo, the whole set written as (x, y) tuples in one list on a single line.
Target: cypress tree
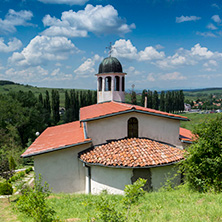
[(40, 98), (133, 98), (162, 101), (55, 106), (144, 94), (181, 106), (155, 104), (149, 99)]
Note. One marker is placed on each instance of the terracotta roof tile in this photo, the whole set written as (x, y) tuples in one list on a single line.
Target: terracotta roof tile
[(57, 137), (132, 152), (107, 108), (186, 135)]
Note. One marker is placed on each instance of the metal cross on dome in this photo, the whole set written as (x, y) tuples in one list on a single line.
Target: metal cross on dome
[(110, 47)]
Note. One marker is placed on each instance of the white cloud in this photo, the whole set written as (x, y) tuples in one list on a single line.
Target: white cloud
[(201, 52), (150, 53), (187, 18), (150, 77), (13, 19), (131, 71), (216, 18), (12, 45), (42, 49), (188, 57), (172, 76), (206, 34), (68, 2), (98, 20), (211, 26), (215, 5), (87, 68), (125, 49)]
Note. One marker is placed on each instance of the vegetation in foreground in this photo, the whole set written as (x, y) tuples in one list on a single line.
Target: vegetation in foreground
[(180, 204)]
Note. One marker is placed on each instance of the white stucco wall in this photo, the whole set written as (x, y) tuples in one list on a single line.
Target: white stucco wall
[(114, 179), (154, 127), (62, 169), (160, 175), (111, 179)]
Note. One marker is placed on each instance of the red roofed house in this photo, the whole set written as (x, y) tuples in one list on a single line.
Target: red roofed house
[(112, 145)]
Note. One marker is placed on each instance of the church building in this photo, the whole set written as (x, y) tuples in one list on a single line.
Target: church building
[(112, 145)]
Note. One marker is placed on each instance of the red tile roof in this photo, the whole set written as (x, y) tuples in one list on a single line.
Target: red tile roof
[(134, 152), (186, 135), (57, 137), (102, 110)]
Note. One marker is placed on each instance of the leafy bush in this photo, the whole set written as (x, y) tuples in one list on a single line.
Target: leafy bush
[(33, 202), (107, 207), (12, 164), (202, 167), (28, 170), (6, 188)]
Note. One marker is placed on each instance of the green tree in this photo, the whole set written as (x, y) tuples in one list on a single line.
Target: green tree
[(162, 101), (202, 165), (55, 106), (133, 97), (149, 99), (33, 202), (144, 94), (155, 101)]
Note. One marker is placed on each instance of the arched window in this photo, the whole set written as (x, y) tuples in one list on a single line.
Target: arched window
[(123, 83), (116, 84), (100, 83), (132, 127), (108, 83)]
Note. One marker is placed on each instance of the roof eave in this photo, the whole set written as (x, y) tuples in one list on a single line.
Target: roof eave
[(56, 149), (134, 110), (128, 167)]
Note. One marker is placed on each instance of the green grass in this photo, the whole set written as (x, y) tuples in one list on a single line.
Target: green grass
[(196, 118), (180, 205)]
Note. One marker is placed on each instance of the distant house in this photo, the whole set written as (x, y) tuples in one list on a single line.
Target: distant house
[(187, 107), (112, 145)]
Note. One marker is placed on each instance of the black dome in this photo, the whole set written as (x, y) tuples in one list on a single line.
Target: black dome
[(110, 64)]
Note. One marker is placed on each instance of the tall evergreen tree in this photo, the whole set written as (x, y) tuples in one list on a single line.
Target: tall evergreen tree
[(40, 98), (162, 101), (181, 106), (144, 94), (155, 104), (149, 99), (47, 105), (168, 101), (67, 100), (133, 97), (55, 106)]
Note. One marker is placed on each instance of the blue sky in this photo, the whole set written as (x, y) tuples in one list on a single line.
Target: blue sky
[(162, 44)]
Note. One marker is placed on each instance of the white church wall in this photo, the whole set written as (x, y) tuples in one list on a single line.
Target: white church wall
[(153, 127), (160, 175), (111, 179), (62, 169)]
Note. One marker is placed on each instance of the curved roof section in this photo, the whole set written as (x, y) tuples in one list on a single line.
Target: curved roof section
[(103, 110), (132, 153), (57, 137), (110, 65)]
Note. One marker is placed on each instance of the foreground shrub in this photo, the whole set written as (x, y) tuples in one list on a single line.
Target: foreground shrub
[(6, 188), (202, 167), (33, 202), (107, 207)]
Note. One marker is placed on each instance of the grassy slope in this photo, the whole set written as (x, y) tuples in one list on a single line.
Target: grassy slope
[(176, 205), (196, 118)]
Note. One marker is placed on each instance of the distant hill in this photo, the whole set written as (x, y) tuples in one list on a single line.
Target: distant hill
[(6, 82)]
